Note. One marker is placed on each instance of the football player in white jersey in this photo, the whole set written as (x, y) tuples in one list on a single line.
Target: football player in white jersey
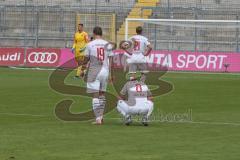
[(98, 72), (135, 100), (137, 55)]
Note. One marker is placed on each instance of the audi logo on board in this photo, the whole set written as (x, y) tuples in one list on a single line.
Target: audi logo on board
[(43, 57)]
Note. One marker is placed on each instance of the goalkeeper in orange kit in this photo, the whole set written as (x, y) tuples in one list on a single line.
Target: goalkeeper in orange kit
[(79, 45)]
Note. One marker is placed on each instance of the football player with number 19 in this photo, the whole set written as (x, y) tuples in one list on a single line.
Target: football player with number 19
[(100, 60)]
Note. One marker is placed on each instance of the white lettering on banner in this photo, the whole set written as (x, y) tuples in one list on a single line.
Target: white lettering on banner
[(190, 59), (160, 59), (212, 59), (198, 61), (43, 57), (168, 61), (181, 61), (150, 59), (221, 61), (10, 57), (201, 61), (204, 61)]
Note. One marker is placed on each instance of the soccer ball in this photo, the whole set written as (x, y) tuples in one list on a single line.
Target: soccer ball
[(110, 46), (125, 45)]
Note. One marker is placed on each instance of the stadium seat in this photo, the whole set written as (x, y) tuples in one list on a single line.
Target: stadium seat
[(137, 11)]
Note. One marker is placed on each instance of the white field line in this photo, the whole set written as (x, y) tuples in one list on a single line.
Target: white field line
[(154, 121), (199, 78), (187, 122), (25, 115), (215, 123), (205, 73), (40, 69), (187, 72)]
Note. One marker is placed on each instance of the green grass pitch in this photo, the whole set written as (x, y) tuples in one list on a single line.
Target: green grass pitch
[(29, 129)]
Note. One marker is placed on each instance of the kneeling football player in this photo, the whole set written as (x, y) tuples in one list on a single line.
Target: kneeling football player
[(135, 99)]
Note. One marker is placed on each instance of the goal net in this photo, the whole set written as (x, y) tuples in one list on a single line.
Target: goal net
[(191, 35), (211, 42)]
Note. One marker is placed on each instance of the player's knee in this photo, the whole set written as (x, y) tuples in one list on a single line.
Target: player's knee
[(150, 107), (120, 107), (150, 103), (119, 104)]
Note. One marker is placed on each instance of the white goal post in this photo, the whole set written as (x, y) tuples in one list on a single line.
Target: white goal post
[(173, 20), (188, 34)]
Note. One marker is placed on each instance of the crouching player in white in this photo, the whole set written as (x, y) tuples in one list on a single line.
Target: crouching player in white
[(135, 100), (98, 72)]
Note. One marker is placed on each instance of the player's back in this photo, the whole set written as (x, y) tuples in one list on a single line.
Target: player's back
[(137, 92), (141, 44), (99, 57)]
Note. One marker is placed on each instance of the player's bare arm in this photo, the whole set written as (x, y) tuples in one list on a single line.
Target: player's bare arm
[(148, 50), (121, 97), (150, 98)]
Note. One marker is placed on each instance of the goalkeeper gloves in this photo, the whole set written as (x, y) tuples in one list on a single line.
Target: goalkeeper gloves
[(82, 49), (73, 50)]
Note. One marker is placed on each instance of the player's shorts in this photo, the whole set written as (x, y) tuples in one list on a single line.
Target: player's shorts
[(143, 108), (79, 57), (138, 67), (99, 83), (137, 63)]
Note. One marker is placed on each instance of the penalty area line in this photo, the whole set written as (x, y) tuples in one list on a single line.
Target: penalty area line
[(153, 121), (206, 73), (215, 123), (187, 122), (169, 71), (19, 114), (40, 69)]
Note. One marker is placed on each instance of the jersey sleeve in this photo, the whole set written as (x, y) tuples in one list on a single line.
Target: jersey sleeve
[(124, 90)]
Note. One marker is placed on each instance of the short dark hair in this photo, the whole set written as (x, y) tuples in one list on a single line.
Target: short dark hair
[(80, 24), (97, 31), (139, 30)]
